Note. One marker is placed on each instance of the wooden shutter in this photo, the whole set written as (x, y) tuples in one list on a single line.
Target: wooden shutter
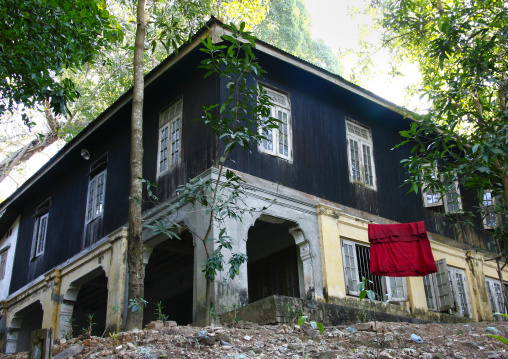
[(443, 289), (349, 264)]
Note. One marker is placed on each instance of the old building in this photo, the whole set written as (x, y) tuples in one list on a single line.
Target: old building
[(327, 174)]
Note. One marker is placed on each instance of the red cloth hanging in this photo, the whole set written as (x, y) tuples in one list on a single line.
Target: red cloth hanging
[(400, 250)]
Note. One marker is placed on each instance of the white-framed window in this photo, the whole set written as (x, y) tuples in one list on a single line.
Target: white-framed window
[(3, 262), (360, 152), (495, 296), (356, 264), (451, 201), (489, 210), (446, 290), (170, 128), (40, 230), (95, 201), (278, 141)]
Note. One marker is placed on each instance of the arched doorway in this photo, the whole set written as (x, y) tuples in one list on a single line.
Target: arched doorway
[(169, 279), (274, 265), (92, 300), (22, 325)]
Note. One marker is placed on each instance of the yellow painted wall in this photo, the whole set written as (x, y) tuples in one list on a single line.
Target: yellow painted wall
[(335, 225)]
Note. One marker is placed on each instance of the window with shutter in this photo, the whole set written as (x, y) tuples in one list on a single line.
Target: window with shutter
[(278, 141), (443, 288), (356, 265), (170, 128), (40, 229), (495, 296), (360, 154)]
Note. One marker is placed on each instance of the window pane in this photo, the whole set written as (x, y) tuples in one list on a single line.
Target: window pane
[(283, 132), (367, 163), (164, 149), (355, 160), (429, 293)]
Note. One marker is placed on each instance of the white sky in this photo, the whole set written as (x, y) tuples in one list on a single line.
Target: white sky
[(332, 22)]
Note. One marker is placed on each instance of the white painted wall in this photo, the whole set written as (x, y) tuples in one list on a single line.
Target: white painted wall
[(10, 243)]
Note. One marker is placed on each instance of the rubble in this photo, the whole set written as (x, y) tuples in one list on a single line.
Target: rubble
[(248, 340)]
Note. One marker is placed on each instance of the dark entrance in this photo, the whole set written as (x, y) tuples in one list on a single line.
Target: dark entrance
[(273, 260), (32, 320), (169, 279), (92, 300)]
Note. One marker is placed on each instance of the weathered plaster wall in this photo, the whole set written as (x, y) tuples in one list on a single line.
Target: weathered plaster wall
[(57, 290), (335, 224), (8, 243)]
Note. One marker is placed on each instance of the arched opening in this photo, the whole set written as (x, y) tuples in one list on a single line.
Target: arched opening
[(274, 261), (92, 299), (31, 319), (169, 280)]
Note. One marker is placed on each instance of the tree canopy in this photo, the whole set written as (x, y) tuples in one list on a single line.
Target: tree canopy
[(41, 38), (461, 48), (288, 27)]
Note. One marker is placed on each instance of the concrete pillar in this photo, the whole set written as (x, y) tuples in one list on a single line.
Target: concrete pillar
[(480, 296), (66, 310), (306, 270), (117, 281)]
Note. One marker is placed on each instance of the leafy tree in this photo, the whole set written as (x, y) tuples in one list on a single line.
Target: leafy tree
[(240, 122), (288, 27), (461, 48), (41, 38)]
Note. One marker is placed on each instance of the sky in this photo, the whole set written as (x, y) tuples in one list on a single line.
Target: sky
[(331, 21)]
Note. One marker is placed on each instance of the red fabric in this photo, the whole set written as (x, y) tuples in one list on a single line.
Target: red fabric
[(400, 250)]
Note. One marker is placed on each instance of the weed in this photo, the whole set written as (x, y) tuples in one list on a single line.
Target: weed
[(313, 324), (68, 333), (115, 308), (158, 312), (501, 339), (212, 313), (137, 304), (233, 313), (292, 314), (87, 332), (114, 338)]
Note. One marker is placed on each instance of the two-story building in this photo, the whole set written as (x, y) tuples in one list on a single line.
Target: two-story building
[(328, 171)]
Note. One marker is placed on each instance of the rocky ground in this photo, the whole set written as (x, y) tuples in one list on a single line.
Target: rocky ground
[(249, 340)]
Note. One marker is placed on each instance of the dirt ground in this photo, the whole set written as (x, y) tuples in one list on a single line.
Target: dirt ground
[(248, 340)]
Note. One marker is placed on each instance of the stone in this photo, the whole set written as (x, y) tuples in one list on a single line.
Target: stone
[(131, 346), (170, 324), (295, 346), (438, 356), (472, 345), (247, 338), (257, 350), (71, 351), (207, 340), (86, 342), (492, 330), (385, 354), (225, 337), (363, 327), (325, 355), (62, 341), (155, 325), (114, 356)]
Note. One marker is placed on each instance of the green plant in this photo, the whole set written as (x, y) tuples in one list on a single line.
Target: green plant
[(87, 332), (68, 333), (315, 325), (114, 338), (292, 314), (137, 304), (212, 313), (115, 308), (233, 313), (501, 339), (158, 312)]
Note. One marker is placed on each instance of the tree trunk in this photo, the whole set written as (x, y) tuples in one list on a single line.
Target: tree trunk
[(135, 239)]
